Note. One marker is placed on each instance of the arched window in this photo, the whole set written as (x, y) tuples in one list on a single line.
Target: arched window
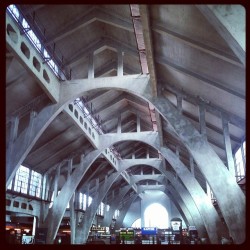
[(156, 215)]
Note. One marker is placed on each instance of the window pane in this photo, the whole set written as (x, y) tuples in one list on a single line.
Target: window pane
[(10, 186), (239, 157), (21, 180), (90, 201), (35, 184), (14, 11)]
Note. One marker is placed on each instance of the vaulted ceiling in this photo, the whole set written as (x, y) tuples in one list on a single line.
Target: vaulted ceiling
[(178, 45)]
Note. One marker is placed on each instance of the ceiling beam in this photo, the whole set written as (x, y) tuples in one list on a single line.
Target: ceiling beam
[(89, 16), (81, 21), (109, 17), (51, 141), (62, 153), (113, 102), (84, 52), (99, 95), (213, 109), (106, 68), (105, 41), (231, 29), (146, 29), (161, 60), (211, 127), (160, 29)]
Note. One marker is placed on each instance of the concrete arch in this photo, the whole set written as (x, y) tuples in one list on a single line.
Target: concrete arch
[(123, 212), (182, 192), (63, 198), (205, 157), (56, 213), (114, 204), (82, 230), (178, 190), (228, 195), (210, 217)]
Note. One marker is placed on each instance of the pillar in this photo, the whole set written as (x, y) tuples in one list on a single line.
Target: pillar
[(119, 125), (228, 147), (147, 153), (34, 226), (13, 135), (120, 63), (57, 176), (138, 123), (91, 70)]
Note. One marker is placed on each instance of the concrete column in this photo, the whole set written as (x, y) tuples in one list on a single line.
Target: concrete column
[(133, 155), (90, 213), (105, 209), (72, 206), (28, 188), (202, 120), (91, 71), (208, 213), (72, 219), (119, 125), (243, 157), (179, 103), (47, 187), (124, 211), (34, 226), (44, 187), (107, 221), (70, 164), (13, 130), (138, 123), (87, 196), (209, 163), (120, 63), (228, 147), (57, 176), (141, 171), (28, 134), (142, 211), (147, 153)]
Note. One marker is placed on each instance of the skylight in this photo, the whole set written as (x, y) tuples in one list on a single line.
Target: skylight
[(33, 38)]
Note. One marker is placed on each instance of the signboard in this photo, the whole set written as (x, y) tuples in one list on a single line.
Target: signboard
[(191, 228), (176, 225), (127, 234), (99, 229), (149, 230)]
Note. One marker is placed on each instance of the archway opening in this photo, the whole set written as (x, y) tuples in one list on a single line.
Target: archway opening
[(137, 223), (156, 215)]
